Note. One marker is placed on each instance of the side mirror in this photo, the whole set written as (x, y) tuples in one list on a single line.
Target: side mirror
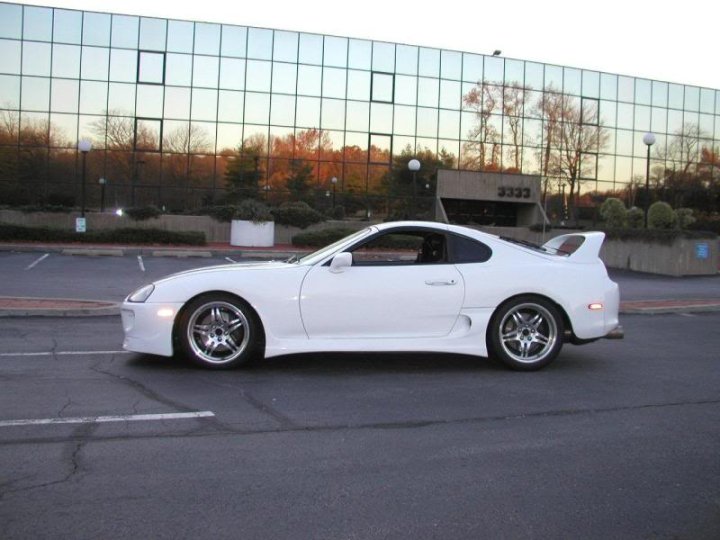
[(340, 262)]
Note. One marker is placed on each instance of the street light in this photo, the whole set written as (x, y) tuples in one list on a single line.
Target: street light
[(333, 181), (414, 166), (84, 146), (102, 183), (649, 140)]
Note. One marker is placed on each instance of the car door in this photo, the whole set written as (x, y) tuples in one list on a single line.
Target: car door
[(398, 286)]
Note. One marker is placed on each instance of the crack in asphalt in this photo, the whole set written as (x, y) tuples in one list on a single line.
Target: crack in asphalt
[(229, 429), (75, 445)]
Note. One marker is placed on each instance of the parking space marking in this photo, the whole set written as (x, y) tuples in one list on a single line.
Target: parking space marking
[(61, 353), (41, 259), (106, 419), (229, 259), (140, 262)]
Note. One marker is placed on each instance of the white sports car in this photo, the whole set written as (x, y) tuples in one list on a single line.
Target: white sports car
[(403, 286)]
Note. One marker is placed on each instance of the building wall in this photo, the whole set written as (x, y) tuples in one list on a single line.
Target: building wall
[(173, 106)]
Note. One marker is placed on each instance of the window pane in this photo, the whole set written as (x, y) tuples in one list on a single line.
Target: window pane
[(260, 43), (258, 76), (10, 21), (383, 57), (152, 34), (626, 89), (659, 94), (358, 116), (10, 53), (309, 80), (429, 64), (360, 54), (35, 93), (150, 100), (407, 59), (9, 92), (65, 96), (177, 103), (147, 134), (125, 31), (472, 67), (336, 50), (533, 75), (93, 97), (642, 91), (204, 104), (152, 67), (286, 46), (428, 91), (257, 108), (36, 58), (37, 23), (232, 73), (404, 123), (380, 148), (450, 95), (494, 69), (514, 73), (707, 100), (284, 78), (333, 114), (405, 90), (427, 122), (692, 98), (282, 110), (96, 29), (571, 81), (95, 63), (121, 99), (179, 69), (180, 36), (382, 87), (67, 26), (449, 125), (234, 40), (207, 38), (358, 86), (230, 106), (205, 71), (311, 49), (676, 96), (308, 112), (334, 82), (123, 65), (451, 64)]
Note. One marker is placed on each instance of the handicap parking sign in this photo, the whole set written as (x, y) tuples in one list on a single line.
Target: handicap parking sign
[(702, 251)]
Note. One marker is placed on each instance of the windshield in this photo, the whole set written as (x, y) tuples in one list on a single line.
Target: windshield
[(320, 254)]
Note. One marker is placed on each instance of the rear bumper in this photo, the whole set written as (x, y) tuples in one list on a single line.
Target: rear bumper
[(617, 333)]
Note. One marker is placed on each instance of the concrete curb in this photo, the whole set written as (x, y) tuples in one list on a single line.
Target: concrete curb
[(56, 307)]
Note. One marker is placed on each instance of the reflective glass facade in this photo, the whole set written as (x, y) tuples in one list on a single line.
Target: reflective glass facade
[(174, 107)]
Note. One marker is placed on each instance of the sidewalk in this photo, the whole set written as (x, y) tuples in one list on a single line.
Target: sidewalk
[(64, 307)]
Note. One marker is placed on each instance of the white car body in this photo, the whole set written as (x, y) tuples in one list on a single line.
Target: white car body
[(314, 306)]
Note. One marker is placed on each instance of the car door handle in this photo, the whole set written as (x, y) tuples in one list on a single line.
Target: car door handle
[(439, 282)]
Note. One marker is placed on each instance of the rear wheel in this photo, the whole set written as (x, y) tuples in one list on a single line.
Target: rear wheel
[(526, 333), (219, 331)]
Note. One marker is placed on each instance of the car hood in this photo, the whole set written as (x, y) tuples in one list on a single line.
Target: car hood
[(235, 267)]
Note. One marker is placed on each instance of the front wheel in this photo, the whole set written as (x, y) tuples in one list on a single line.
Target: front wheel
[(219, 331), (526, 333)]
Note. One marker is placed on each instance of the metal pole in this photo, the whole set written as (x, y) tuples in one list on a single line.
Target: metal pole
[(414, 193), (82, 208), (647, 187), (102, 197)]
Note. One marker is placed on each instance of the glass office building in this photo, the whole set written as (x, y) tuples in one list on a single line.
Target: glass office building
[(174, 109)]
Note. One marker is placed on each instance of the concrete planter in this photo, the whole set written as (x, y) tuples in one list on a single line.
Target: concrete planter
[(250, 234)]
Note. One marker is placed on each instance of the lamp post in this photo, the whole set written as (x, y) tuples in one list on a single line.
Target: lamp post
[(414, 167), (84, 146), (333, 181), (649, 140), (135, 180), (102, 183)]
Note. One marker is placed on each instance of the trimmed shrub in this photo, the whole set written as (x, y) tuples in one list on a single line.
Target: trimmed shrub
[(143, 213), (660, 236), (296, 214), (684, 218), (19, 233), (321, 238), (540, 227), (636, 218), (252, 210), (613, 212), (707, 222), (661, 216), (338, 212), (223, 214)]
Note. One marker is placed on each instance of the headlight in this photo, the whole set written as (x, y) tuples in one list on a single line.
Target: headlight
[(141, 294)]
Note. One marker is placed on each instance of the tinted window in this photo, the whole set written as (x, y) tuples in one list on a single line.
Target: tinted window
[(465, 250)]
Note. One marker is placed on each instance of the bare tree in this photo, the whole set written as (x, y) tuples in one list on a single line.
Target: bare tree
[(483, 100), (514, 101)]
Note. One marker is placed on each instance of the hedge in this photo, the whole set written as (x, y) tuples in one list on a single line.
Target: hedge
[(321, 238), (660, 236), (113, 236)]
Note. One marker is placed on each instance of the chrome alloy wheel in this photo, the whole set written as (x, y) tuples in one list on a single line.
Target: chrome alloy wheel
[(528, 333), (218, 332)]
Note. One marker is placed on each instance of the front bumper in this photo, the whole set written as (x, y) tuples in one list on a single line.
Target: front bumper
[(148, 327)]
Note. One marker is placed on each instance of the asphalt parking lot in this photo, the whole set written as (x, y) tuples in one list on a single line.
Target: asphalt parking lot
[(615, 439)]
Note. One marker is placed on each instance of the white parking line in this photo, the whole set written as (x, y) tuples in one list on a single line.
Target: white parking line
[(140, 262), (105, 419), (61, 353), (229, 259), (41, 259)]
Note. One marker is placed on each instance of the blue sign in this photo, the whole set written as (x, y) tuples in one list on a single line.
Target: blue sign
[(702, 251)]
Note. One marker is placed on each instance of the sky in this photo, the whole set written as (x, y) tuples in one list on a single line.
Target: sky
[(666, 41)]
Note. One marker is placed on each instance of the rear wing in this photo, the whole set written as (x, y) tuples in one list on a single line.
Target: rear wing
[(579, 247)]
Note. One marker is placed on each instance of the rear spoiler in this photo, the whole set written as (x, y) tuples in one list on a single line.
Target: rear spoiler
[(579, 247)]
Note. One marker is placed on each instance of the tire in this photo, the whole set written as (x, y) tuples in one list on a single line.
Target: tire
[(526, 333), (219, 331)]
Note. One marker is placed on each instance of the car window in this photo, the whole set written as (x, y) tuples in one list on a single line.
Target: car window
[(467, 250), (402, 248)]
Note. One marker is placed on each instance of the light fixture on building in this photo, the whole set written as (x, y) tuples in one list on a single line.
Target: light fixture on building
[(497, 52)]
